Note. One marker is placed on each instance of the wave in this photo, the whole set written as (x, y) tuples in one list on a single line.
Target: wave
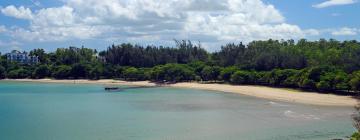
[(295, 115), (275, 104)]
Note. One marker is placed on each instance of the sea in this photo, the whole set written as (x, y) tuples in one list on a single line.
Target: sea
[(51, 111)]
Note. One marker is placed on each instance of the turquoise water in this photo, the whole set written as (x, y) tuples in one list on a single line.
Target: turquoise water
[(33, 111)]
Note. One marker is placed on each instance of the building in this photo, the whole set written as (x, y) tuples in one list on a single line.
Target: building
[(100, 58), (21, 57)]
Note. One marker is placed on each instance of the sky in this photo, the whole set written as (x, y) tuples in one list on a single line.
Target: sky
[(51, 24)]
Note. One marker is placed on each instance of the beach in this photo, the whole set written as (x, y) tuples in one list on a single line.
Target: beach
[(279, 94)]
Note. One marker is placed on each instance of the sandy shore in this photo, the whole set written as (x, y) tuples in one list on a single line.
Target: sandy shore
[(312, 98)]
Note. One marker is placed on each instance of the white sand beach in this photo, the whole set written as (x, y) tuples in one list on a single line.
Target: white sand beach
[(279, 94)]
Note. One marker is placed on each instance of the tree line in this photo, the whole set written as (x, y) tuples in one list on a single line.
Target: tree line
[(323, 65)]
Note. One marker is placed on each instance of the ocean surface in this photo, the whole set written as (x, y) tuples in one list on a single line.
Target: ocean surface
[(37, 111)]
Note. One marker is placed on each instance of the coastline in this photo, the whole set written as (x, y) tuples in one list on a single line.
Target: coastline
[(279, 94)]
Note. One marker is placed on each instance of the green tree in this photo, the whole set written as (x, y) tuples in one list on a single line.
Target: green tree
[(2, 72), (334, 80), (80, 70), (210, 73), (198, 66), (172, 72), (18, 74), (355, 81), (278, 77), (132, 74), (323, 86), (61, 72), (41, 72), (96, 72), (240, 77), (226, 73), (43, 57)]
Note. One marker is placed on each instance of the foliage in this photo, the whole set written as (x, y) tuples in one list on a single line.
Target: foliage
[(80, 70), (134, 74), (241, 77), (96, 72), (226, 73), (43, 57), (274, 54), (198, 66), (210, 73), (324, 65), (172, 72), (355, 81), (18, 74), (355, 136), (356, 123), (61, 72), (72, 55), (41, 72), (138, 56), (279, 77), (2, 72)]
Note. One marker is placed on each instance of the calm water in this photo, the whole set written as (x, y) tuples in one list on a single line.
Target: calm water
[(32, 111)]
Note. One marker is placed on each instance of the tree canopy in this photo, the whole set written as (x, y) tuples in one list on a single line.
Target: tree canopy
[(323, 65)]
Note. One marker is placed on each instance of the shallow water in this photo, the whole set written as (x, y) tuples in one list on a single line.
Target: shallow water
[(34, 111)]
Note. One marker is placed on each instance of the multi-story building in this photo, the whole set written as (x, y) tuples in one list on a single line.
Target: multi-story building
[(21, 57)]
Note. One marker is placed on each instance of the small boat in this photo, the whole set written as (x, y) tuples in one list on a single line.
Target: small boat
[(111, 88)]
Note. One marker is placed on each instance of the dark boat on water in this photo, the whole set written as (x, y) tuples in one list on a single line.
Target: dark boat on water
[(124, 88), (112, 88)]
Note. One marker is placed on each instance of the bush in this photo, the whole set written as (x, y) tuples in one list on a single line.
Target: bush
[(61, 72), (172, 72), (323, 86), (307, 84), (41, 72), (198, 66), (96, 72), (355, 81), (336, 80), (291, 81), (2, 72), (240, 77), (80, 70), (355, 136), (279, 77), (210, 73), (134, 74), (18, 74), (226, 73)]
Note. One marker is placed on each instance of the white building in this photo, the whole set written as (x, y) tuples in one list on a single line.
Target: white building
[(21, 57)]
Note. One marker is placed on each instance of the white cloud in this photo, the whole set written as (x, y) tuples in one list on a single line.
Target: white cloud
[(312, 32), (21, 12), (336, 14), (245, 21), (44, 34), (157, 20), (2, 28), (345, 31), (36, 3), (256, 10), (329, 3), (7, 46), (59, 16), (224, 28)]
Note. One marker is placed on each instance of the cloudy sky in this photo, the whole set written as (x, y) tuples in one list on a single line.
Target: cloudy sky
[(49, 24)]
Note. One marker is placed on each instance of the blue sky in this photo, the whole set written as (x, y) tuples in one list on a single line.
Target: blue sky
[(50, 24)]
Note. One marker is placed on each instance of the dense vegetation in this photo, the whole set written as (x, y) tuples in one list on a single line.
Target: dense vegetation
[(324, 65), (356, 123)]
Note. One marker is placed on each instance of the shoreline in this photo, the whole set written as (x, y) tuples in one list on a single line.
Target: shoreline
[(279, 94)]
